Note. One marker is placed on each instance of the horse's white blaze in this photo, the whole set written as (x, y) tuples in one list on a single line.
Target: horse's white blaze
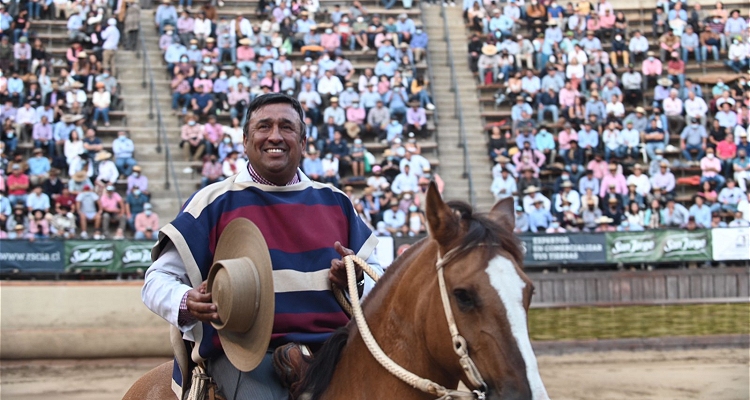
[(509, 285)]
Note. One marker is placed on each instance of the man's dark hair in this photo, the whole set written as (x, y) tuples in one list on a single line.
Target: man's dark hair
[(274, 98)]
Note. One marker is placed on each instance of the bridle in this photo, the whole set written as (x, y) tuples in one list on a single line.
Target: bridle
[(460, 346)]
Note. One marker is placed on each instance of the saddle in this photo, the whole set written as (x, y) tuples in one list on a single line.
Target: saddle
[(291, 362)]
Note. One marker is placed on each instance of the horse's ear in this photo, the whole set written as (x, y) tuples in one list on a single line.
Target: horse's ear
[(502, 213), (442, 222)]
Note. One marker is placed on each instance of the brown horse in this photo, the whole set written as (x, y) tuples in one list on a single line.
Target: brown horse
[(489, 297)]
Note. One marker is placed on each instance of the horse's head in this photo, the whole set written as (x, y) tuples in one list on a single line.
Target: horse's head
[(489, 296)]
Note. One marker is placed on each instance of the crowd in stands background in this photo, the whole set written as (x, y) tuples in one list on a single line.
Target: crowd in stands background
[(603, 105), (218, 64), (57, 174)]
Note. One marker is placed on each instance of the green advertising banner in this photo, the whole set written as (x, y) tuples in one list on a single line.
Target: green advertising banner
[(81, 255), (133, 255), (658, 246), (110, 256)]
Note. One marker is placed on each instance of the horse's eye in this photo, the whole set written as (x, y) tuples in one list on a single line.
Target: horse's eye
[(464, 299)]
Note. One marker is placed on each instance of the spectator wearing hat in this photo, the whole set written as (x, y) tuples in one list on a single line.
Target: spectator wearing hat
[(101, 102), (615, 178), (107, 172), (87, 207), (137, 179), (504, 185), (663, 179), (640, 180), (489, 60), (394, 218), (146, 223), (39, 167), (111, 37), (111, 210), (737, 58), (539, 217), (166, 14)]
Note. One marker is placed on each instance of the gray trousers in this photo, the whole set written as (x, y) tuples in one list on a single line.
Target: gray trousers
[(258, 384)]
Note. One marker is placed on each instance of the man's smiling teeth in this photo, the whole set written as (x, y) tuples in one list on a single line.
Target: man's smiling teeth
[(274, 151)]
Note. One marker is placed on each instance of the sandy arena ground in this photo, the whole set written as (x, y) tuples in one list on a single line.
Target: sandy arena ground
[(718, 374)]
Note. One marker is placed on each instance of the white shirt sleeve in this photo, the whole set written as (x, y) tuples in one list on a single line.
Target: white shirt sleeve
[(165, 285)]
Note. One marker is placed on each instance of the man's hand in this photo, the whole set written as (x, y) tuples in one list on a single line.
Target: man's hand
[(199, 304), (337, 274)]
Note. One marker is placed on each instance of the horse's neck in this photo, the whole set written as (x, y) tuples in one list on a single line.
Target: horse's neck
[(401, 332)]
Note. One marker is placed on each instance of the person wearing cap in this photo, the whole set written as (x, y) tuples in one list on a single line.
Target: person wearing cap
[(166, 14), (111, 210), (274, 178), (737, 58), (111, 37)]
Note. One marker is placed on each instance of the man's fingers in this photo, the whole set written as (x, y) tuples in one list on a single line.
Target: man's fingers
[(343, 251), (194, 306)]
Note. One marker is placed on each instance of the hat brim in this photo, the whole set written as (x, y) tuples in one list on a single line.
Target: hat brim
[(241, 238)]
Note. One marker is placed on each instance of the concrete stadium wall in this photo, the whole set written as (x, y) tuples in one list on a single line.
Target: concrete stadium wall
[(78, 320)]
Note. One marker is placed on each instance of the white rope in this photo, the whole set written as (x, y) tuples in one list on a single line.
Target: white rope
[(198, 386), (391, 366)]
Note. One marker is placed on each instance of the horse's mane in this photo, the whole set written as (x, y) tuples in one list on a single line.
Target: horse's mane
[(480, 230)]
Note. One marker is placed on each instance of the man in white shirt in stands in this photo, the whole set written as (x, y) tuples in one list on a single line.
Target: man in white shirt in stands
[(673, 108), (406, 181), (695, 107), (416, 162), (25, 120), (504, 185), (329, 85), (640, 180), (111, 37)]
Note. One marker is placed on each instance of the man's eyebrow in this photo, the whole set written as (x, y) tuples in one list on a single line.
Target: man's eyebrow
[(271, 120)]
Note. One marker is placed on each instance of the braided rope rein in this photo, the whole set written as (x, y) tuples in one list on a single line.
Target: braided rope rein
[(355, 310)]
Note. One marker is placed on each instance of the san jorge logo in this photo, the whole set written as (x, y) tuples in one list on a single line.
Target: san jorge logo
[(92, 255)]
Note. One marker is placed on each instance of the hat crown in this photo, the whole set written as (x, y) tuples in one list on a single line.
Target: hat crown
[(235, 290)]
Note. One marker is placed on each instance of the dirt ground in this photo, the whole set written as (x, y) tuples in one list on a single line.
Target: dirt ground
[(716, 374)]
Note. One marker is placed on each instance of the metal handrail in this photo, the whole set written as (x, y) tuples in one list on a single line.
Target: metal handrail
[(458, 109), (428, 60), (162, 139)]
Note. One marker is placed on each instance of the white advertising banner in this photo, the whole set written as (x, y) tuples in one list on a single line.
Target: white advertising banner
[(384, 251), (730, 243)]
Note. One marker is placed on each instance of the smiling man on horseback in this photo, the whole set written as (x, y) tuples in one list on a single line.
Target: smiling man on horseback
[(308, 227)]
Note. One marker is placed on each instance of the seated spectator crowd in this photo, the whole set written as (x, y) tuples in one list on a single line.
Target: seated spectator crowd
[(218, 65), (57, 176), (608, 117)]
